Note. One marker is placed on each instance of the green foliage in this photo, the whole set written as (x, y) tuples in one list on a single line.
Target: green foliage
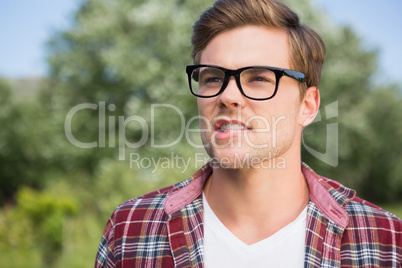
[(127, 54), (384, 132), (24, 151), (46, 213), (37, 222)]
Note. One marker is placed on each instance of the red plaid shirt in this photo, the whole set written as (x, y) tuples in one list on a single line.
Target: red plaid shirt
[(165, 228)]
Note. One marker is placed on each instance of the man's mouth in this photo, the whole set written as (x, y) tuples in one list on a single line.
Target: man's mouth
[(227, 127), (230, 125)]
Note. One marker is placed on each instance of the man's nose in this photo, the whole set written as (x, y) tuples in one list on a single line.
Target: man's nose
[(231, 97)]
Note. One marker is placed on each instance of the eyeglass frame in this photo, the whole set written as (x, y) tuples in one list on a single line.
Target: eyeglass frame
[(279, 72)]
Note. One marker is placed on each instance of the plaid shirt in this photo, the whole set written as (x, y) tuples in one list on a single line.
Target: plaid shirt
[(165, 228)]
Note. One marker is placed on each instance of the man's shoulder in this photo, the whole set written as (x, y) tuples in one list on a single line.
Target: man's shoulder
[(360, 211), (372, 224), (359, 208), (151, 201), (155, 207)]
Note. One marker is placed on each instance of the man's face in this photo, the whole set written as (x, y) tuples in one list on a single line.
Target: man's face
[(234, 128)]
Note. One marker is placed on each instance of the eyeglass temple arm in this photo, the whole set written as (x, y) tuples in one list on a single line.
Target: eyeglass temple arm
[(294, 74)]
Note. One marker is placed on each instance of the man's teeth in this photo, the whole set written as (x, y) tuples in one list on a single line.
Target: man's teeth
[(226, 127)]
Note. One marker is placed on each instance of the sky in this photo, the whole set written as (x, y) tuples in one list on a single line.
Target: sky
[(26, 25), (379, 23)]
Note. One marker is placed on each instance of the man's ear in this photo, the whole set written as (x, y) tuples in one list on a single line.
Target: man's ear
[(309, 106)]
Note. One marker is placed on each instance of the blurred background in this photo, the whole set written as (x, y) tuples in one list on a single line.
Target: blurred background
[(74, 72)]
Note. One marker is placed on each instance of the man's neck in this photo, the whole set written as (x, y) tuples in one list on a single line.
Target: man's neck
[(255, 203)]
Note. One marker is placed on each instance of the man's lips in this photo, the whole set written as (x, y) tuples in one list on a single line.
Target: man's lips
[(225, 125)]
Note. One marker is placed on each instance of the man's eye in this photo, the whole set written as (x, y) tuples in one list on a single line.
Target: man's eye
[(211, 80), (261, 79)]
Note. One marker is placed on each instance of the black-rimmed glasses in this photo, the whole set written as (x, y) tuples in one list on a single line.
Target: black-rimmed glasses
[(254, 82)]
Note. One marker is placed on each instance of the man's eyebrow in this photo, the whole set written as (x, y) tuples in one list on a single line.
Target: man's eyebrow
[(210, 71), (258, 70)]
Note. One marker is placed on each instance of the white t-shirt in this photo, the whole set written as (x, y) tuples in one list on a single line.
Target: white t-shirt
[(222, 249)]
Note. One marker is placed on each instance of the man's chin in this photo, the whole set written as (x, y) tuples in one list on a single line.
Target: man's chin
[(248, 160)]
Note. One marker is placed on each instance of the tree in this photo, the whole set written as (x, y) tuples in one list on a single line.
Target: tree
[(127, 55), (24, 151)]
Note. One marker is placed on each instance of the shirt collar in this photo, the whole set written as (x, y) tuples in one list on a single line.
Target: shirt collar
[(329, 196), (183, 196)]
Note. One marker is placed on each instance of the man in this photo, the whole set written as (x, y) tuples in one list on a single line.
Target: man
[(256, 80)]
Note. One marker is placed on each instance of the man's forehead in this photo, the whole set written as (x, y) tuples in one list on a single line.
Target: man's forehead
[(246, 46)]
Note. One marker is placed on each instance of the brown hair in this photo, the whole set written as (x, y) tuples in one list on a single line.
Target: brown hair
[(307, 49)]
